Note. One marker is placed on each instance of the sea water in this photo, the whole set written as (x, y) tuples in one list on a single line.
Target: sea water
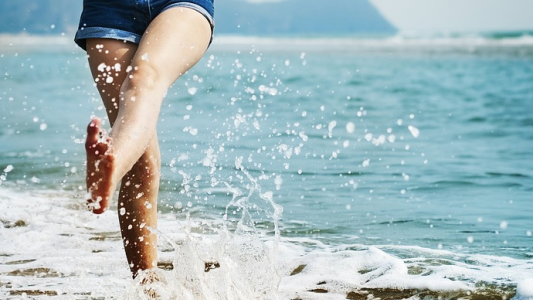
[(292, 169)]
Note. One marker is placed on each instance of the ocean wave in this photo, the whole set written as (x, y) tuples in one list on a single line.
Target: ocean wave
[(494, 38), (400, 41)]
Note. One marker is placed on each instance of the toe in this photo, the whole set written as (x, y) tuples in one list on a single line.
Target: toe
[(93, 129)]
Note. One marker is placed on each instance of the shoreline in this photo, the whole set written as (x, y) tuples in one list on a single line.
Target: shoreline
[(406, 42), (91, 251)]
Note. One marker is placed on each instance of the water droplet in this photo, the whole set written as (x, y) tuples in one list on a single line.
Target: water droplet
[(43, 126), (192, 90), (504, 225), (101, 67), (193, 131), (8, 169), (350, 127), (366, 163), (414, 131), (122, 211), (332, 125), (303, 136), (470, 239), (278, 181)]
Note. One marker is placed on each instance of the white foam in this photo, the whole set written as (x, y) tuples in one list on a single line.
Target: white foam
[(524, 290), (75, 253)]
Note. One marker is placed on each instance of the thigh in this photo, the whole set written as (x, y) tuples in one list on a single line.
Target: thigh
[(109, 60), (173, 42)]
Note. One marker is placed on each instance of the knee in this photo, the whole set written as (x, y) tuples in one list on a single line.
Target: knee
[(142, 76)]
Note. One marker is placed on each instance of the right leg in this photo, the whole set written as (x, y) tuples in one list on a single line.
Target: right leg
[(171, 45)]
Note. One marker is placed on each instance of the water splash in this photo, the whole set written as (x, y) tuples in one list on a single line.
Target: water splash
[(234, 263)]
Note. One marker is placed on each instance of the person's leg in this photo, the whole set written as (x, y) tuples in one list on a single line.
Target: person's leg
[(172, 44), (137, 206), (108, 60), (139, 188)]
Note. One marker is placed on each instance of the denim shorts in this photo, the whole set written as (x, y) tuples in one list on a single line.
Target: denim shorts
[(127, 20)]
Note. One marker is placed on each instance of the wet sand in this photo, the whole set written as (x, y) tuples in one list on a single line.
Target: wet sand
[(40, 276)]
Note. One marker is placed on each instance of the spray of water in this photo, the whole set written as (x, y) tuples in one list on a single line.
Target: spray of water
[(233, 264)]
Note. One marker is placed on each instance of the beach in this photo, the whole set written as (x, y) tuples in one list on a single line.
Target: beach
[(391, 168)]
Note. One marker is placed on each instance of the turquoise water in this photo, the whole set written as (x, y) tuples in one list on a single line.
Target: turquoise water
[(361, 142)]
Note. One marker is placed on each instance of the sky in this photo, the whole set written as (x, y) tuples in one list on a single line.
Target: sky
[(454, 15), (458, 15)]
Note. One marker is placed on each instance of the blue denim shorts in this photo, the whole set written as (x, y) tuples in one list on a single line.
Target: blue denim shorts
[(127, 20)]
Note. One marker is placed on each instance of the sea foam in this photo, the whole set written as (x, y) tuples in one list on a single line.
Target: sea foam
[(52, 246)]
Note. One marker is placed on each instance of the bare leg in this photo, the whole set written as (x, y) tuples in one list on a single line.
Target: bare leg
[(108, 60), (172, 44), (138, 192)]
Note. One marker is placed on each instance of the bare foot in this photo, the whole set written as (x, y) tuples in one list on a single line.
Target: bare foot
[(100, 165)]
